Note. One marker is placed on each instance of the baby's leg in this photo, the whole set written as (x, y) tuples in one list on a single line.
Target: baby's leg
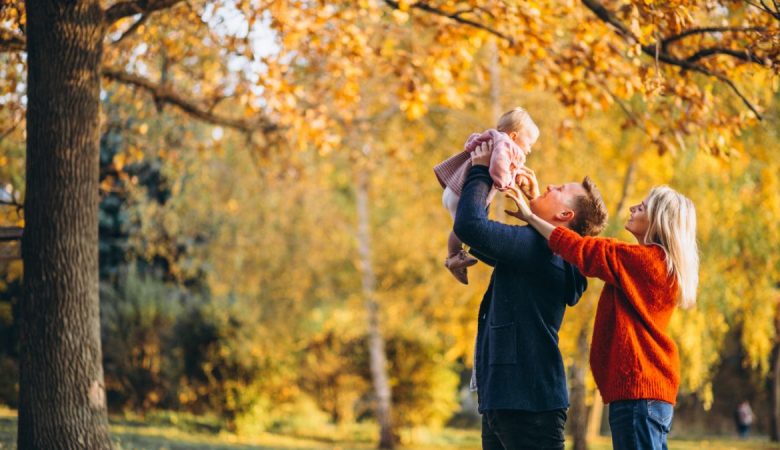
[(457, 260), (450, 200), (454, 245)]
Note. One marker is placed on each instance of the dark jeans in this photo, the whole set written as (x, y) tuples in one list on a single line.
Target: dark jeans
[(507, 429), (640, 424)]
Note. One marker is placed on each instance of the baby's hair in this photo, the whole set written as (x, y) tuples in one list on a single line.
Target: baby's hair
[(517, 119)]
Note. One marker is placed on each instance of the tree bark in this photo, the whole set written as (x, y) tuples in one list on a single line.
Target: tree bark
[(578, 416), (585, 423), (376, 342), (595, 416), (774, 420), (61, 394), (495, 106)]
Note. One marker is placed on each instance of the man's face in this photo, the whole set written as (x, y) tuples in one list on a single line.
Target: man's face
[(557, 202)]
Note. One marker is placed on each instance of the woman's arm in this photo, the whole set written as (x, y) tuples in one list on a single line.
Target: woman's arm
[(594, 257), (524, 213)]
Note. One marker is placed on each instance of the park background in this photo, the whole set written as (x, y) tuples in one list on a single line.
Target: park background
[(271, 236)]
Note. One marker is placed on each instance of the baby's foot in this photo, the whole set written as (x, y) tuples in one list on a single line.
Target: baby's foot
[(457, 265), (460, 274), (460, 260)]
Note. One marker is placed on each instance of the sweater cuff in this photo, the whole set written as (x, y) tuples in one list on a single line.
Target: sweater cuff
[(480, 168), (556, 237)]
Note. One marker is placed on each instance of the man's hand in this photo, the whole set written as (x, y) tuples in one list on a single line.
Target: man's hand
[(526, 181), (523, 210), (481, 155)]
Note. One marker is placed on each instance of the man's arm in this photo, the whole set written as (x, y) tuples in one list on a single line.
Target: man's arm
[(491, 239), (475, 253)]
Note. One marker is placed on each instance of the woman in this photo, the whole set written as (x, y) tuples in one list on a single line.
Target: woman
[(634, 361)]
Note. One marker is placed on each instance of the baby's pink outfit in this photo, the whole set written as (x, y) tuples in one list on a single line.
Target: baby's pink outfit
[(505, 162)]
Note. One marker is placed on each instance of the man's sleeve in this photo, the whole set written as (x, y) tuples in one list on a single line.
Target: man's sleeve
[(494, 240), (475, 253)]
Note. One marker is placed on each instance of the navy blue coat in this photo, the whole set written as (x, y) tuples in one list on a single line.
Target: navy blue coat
[(518, 363)]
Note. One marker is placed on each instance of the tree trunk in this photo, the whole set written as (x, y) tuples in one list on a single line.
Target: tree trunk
[(595, 416), (376, 342), (585, 423), (578, 412), (61, 394), (774, 420), (495, 106)]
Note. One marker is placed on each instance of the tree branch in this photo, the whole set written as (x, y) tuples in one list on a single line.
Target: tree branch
[(164, 94), (11, 199), (676, 37), (743, 55), (653, 51), (13, 202), (454, 16), (12, 44), (766, 9), (631, 115), (10, 130), (11, 233), (131, 29), (126, 8)]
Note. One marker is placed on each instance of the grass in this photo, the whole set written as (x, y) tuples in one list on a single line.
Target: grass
[(167, 431)]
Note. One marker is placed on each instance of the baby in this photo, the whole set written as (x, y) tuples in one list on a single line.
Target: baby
[(512, 139)]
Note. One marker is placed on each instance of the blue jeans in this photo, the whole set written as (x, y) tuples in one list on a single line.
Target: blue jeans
[(640, 424), (506, 429)]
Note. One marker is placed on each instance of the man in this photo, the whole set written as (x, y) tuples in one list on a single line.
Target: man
[(520, 378)]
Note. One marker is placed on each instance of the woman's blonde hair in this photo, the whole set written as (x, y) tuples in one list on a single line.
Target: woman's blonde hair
[(672, 219)]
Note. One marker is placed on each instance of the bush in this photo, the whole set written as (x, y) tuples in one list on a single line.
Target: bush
[(9, 381), (337, 374), (10, 294), (164, 349), (222, 368), (138, 319)]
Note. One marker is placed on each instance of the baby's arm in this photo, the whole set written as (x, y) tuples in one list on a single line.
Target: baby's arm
[(472, 142)]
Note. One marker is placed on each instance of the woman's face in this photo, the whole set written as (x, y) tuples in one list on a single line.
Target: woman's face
[(638, 221)]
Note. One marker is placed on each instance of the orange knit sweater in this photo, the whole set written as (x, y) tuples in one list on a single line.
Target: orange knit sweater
[(631, 355)]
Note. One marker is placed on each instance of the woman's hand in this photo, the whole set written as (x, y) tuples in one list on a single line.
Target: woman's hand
[(523, 210), (526, 181), (481, 155), (524, 213)]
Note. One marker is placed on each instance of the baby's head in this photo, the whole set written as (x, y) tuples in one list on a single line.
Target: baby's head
[(521, 129)]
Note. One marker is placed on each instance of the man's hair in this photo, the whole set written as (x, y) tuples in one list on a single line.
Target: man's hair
[(590, 212)]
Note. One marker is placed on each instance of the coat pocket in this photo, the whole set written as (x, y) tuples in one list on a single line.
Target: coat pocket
[(502, 344)]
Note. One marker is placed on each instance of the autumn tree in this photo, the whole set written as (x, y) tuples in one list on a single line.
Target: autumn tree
[(691, 75), (62, 400)]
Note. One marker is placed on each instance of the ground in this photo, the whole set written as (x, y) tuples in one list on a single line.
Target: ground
[(134, 434)]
